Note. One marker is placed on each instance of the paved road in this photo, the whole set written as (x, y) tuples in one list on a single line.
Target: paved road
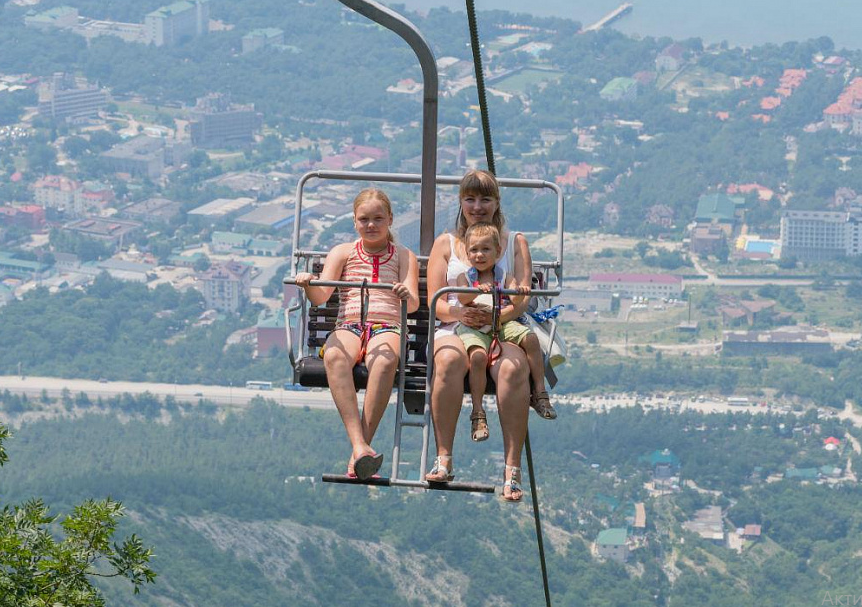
[(221, 395)]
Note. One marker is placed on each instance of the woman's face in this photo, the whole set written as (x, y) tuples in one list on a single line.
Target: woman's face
[(477, 208)]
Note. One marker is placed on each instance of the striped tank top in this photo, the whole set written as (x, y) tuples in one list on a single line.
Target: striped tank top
[(383, 306)]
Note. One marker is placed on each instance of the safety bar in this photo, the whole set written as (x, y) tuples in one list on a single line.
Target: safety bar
[(304, 253), (505, 182), (432, 318)]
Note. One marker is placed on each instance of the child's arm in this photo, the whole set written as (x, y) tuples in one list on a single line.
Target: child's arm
[(465, 298), (407, 286), (518, 302), (332, 269)]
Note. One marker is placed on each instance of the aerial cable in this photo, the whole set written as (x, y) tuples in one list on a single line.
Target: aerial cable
[(489, 155)]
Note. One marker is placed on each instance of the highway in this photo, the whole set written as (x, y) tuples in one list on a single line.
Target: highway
[(225, 396)]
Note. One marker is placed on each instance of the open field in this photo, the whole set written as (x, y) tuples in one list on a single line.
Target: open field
[(519, 82)]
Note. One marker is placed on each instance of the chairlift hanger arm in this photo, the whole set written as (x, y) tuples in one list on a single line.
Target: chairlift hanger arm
[(430, 82)]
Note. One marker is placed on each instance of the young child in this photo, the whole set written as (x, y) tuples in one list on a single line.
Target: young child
[(482, 243), (374, 257)]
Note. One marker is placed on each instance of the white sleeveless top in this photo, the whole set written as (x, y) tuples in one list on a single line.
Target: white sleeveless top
[(456, 268)]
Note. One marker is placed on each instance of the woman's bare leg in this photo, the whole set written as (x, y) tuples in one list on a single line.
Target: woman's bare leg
[(381, 359), (447, 393), (510, 372), (339, 358)]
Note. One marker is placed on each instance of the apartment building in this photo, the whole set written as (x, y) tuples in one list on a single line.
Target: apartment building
[(64, 98), (821, 235), (172, 24)]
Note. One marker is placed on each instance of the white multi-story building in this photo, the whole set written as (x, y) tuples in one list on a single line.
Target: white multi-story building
[(638, 285), (820, 235), (171, 24), (226, 286), (55, 191), (63, 98)]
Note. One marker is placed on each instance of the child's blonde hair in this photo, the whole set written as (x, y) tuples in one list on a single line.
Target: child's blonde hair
[(371, 195), (479, 183), (483, 229)]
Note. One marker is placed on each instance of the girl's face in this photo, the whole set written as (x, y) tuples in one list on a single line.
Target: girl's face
[(372, 222), (478, 208), (482, 252)]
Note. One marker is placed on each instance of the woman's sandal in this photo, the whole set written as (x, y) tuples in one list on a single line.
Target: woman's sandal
[(441, 473), (479, 427), (513, 485), (542, 404)]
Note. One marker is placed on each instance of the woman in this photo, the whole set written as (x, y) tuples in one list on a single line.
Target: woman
[(479, 197)]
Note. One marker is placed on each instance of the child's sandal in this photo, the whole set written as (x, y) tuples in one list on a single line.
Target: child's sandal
[(542, 404), (515, 493), (479, 427)]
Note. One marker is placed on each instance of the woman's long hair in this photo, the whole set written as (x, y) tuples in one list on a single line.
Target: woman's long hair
[(479, 183)]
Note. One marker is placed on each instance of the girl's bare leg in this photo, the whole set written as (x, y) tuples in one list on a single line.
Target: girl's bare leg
[(339, 358), (381, 358)]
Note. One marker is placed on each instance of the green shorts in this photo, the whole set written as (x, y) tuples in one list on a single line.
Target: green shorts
[(512, 332)]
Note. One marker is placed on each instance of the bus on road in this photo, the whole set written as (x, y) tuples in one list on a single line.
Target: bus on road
[(258, 385)]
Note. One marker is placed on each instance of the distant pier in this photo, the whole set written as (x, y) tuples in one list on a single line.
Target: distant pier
[(621, 10)]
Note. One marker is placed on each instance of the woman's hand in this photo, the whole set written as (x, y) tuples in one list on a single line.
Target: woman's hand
[(524, 289), (401, 290), (474, 317), (303, 278), (485, 287)]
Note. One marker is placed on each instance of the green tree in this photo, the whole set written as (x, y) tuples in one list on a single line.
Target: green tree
[(41, 568)]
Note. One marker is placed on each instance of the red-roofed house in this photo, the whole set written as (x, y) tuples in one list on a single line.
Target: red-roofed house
[(763, 193), (29, 216), (660, 215), (722, 115), (770, 103), (576, 176), (670, 59), (16, 177), (751, 532), (792, 78), (831, 441), (753, 81), (762, 118), (638, 285)]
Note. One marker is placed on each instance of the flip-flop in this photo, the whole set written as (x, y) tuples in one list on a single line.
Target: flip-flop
[(352, 475), (367, 466)]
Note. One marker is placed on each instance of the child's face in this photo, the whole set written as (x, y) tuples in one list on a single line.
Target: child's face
[(372, 221), (482, 252)]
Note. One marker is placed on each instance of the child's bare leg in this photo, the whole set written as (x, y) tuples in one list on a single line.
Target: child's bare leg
[(530, 345), (478, 377), (478, 383), (539, 399)]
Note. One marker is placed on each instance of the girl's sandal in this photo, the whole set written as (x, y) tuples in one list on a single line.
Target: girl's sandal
[(513, 485), (479, 427), (542, 404), (441, 472)]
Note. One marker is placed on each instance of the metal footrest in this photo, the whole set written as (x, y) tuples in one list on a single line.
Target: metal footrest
[(343, 479)]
